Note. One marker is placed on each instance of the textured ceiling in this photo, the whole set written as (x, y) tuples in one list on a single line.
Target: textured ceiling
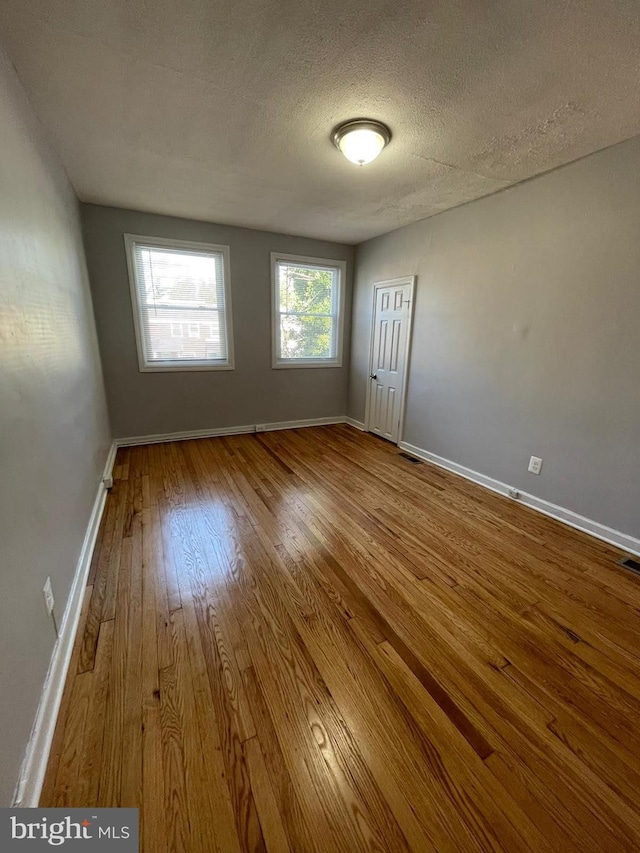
[(222, 110)]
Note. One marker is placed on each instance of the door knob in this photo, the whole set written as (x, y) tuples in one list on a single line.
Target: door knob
[(373, 376)]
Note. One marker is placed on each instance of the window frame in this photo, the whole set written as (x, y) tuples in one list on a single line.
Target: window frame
[(289, 363), (174, 366)]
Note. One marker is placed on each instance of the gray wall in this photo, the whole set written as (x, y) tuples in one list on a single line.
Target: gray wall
[(149, 403), (526, 337), (54, 434)]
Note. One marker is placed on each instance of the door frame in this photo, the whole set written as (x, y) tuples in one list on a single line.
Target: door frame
[(378, 285)]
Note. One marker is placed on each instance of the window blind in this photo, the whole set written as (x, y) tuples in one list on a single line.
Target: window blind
[(182, 315), (307, 307)]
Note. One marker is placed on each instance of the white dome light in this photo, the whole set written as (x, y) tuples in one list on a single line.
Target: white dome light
[(361, 140)]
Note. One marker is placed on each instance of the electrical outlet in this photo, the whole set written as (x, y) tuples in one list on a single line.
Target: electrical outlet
[(535, 464), (514, 493), (48, 596), (261, 427), (107, 482)]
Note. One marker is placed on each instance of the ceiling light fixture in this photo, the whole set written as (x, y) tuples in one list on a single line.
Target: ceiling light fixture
[(361, 140)]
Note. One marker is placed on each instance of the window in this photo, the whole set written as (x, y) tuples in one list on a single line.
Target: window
[(177, 288), (308, 308)]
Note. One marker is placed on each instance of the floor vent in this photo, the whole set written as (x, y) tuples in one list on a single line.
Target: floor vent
[(630, 563), (411, 459)]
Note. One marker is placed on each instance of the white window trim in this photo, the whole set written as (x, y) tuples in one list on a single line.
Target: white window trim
[(289, 363), (173, 366)]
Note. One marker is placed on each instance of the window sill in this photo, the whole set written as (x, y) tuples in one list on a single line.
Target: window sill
[(289, 365), (183, 368)]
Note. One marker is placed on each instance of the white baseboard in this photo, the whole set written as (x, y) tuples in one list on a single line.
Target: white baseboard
[(160, 438), (567, 516), (300, 424), (111, 458), (34, 765), (357, 424)]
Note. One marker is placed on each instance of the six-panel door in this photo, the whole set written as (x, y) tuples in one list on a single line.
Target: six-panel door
[(391, 326)]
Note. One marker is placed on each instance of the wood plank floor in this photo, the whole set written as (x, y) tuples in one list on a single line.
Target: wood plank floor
[(301, 641)]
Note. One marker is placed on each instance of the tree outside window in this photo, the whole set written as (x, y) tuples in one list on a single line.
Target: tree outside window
[(307, 311)]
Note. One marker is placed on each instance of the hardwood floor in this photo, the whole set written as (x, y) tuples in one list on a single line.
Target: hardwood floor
[(301, 641)]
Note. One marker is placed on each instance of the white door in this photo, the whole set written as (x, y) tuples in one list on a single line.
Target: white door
[(389, 356)]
